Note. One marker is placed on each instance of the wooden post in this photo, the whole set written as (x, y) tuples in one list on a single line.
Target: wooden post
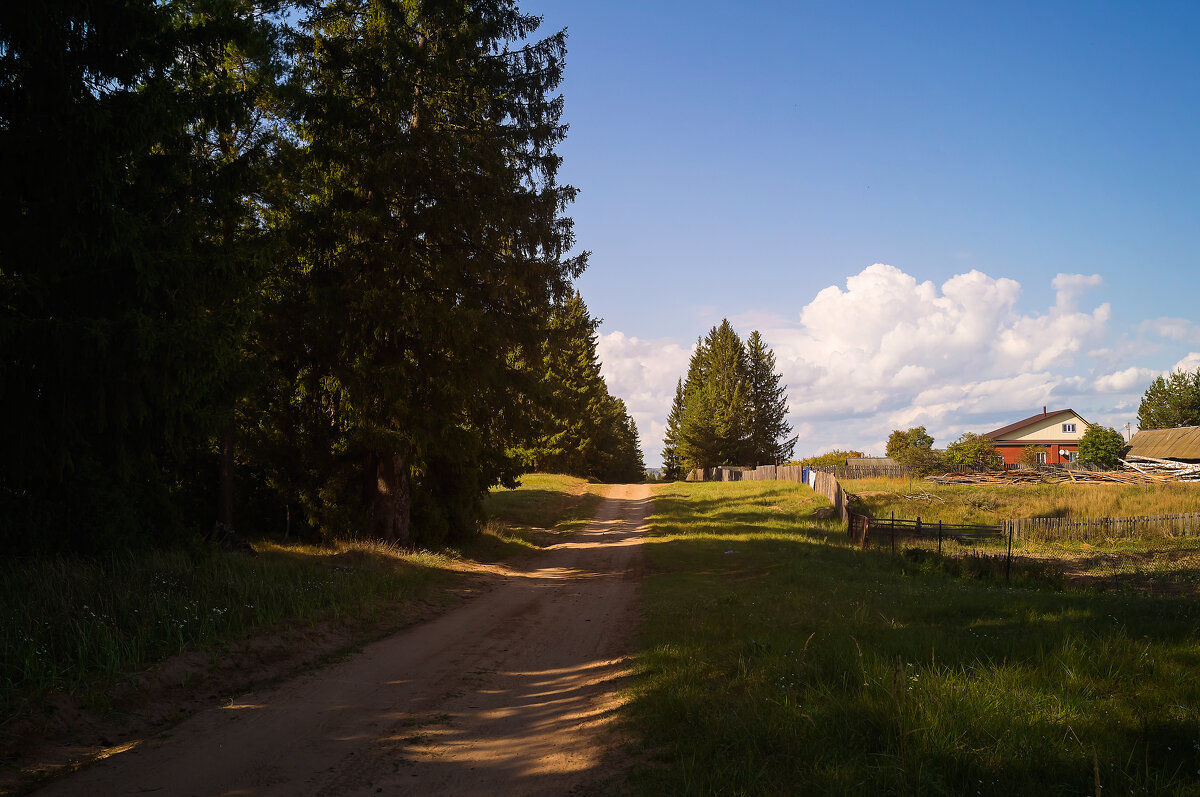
[(939, 537), (1008, 560)]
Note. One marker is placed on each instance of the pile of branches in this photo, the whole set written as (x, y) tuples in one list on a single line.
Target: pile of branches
[(1006, 477)]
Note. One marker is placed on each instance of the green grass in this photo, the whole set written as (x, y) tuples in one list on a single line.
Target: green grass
[(77, 625), (536, 514), (778, 661), (73, 624)]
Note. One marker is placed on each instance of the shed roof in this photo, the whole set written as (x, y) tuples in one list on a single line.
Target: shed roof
[(1041, 416), (1180, 443)]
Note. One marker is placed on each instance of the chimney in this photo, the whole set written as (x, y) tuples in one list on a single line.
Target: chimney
[(1044, 410)]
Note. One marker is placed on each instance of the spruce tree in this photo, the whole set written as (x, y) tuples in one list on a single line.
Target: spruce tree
[(425, 255), (573, 393), (715, 427), (769, 429), (731, 409), (581, 428), (672, 462)]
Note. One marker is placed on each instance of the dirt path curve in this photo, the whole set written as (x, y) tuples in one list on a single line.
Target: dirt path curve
[(510, 694)]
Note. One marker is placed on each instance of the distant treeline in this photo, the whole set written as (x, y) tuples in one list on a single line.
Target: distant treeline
[(309, 260)]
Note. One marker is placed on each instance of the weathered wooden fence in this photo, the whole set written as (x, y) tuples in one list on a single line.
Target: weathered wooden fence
[(1084, 529)]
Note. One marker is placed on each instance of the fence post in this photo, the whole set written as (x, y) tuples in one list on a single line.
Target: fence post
[(1008, 560), (939, 538)]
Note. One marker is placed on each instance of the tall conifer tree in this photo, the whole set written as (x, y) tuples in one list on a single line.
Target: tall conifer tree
[(731, 408), (671, 458), (582, 429), (426, 254), (769, 442)]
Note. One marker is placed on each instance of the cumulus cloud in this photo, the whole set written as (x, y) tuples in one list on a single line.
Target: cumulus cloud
[(1188, 363), (917, 352), (886, 351), (1123, 381)]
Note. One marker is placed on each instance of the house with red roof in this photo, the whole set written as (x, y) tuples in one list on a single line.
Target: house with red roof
[(1058, 432)]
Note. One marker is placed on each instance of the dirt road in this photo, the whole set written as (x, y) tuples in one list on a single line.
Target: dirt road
[(513, 693)]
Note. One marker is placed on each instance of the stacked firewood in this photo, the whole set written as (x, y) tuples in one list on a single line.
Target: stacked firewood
[(1165, 469)]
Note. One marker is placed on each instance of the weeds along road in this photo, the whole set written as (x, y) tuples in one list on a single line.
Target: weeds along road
[(512, 693)]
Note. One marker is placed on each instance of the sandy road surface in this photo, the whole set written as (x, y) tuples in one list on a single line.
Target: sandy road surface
[(510, 694)]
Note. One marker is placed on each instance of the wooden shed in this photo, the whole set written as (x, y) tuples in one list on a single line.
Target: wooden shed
[(1182, 444)]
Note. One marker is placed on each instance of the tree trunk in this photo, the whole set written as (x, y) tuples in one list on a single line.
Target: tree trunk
[(391, 503), (225, 500)]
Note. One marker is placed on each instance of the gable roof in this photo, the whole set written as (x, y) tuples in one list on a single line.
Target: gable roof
[(1180, 443), (1041, 417)]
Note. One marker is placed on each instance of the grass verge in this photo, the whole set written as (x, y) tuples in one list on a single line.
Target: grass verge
[(777, 660), (76, 627)]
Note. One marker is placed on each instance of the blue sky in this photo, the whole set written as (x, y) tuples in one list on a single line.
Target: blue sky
[(755, 162)]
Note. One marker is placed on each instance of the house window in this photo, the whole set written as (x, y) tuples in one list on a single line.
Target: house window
[(1041, 457), (1068, 428), (1068, 456)]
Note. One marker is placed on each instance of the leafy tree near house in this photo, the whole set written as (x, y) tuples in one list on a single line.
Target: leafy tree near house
[(913, 448), (1101, 445), (1171, 402), (976, 450), (1029, 455), (901, 443)]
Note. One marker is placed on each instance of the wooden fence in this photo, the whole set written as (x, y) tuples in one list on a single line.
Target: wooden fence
[(1055, 528)]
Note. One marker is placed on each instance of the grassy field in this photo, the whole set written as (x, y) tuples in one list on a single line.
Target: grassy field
[(776, 660), (1158, 564), (986, 504), (77, 626)]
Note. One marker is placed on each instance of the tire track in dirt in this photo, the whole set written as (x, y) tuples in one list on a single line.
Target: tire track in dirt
[(513, 693)]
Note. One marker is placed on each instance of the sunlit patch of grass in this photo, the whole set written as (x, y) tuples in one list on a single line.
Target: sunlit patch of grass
[(779, 660), (538, 513)]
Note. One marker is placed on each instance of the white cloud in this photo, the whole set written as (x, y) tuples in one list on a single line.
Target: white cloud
[(1069, 286), (1177, 329), (886, 351), (1188, 363), (1123, 381), (643, 373)]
